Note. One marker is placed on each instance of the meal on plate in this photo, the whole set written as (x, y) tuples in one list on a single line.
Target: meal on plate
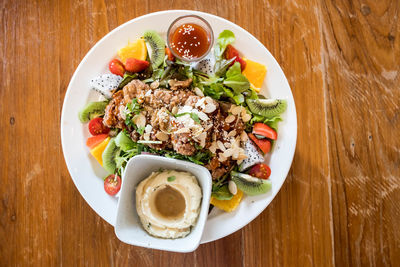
[(168, 203), (207, 112)]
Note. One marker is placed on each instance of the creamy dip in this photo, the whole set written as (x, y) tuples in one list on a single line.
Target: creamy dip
[(168, 203)]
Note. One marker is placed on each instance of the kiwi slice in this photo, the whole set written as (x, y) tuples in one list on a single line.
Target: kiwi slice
[(92, 110), (267, 107), (250, 185), (157, 45), (123, 141), (109, 156)]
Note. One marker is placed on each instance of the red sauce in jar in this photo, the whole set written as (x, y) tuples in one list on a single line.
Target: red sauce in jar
[(190, 41)]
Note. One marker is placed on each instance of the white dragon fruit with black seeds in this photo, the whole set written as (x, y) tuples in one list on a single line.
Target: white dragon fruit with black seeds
[(105, 84), (206, 65), (254, 156)]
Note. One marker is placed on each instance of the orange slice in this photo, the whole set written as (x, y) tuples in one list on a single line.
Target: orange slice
[(97, 152), (228, 205), (136, 49), (255, 72)]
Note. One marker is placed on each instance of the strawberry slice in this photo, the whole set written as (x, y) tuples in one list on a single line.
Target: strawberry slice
[(169, 54), (263, 144), (136, 65), (116, 67), (231, 52), (93, 141), (264, 130)]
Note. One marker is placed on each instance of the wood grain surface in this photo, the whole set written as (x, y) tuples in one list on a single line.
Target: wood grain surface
[(340, 203)]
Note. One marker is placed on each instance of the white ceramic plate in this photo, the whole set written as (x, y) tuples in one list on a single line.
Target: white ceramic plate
[(87, 174)]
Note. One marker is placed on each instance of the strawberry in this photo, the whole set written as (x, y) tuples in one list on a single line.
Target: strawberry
[(136, 65), (231, 52), (116, 67), (169, 54)]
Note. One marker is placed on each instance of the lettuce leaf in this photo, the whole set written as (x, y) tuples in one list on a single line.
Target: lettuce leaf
[(236, 80), (225, 38)]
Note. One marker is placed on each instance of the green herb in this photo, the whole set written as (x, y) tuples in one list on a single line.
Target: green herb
[(171, 178), (140, 130), (271, 122), (222, 193), (236, 80)]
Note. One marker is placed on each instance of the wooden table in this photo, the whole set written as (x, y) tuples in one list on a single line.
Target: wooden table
[(340, 202)]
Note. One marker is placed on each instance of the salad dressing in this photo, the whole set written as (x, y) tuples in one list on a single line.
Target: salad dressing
[(190, 41)]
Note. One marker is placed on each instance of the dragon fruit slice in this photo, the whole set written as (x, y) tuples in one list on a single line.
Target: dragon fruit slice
[(253, 156), (105, 84), (206, 65)]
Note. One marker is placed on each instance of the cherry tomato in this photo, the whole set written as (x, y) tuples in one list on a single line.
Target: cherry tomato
[(116, 67), (264, 130), (261, 171), (96, 127), (263, 144), (112, 184)]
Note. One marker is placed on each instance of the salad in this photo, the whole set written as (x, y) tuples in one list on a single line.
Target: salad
[(208, 112)]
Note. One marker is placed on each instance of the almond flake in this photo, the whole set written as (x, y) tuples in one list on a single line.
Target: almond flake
[(235, 109), (202, 116), (209, 108), (243, 136), (174, 110), (162, 136), (198, 92), (229, 152), (148, 128), (221, 157), (221, 145), (139, 120), (246, 117), (146, 136), (230, 119), (232, 133), (154, 85), (213, 147)]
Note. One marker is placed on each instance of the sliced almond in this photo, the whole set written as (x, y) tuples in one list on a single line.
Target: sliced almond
[(242, 156), (246, 117), (209, 108), (174, 110), (203, 116), (230, 118), (227, 145), (236, 109), (198, 92), (228, 153), (182, 130), (139, 120), (146, 136), (213, 147), (148, 128), (243, 136), (221, 157), (122, 112), (221, 146), (154, 85), (232, 187), (162, 136), (232, 133)]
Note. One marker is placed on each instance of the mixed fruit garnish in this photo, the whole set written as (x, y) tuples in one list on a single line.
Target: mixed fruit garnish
[(207, 112)]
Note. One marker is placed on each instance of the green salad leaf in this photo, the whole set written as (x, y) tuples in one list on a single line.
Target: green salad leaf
[(236, 80), (225, 38), (222, 193), (128, 76), (271, 122)]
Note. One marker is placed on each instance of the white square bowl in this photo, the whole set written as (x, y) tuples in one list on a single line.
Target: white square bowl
[(128, 227)]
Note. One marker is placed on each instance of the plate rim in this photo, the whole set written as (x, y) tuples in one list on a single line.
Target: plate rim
[(232, 24)]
